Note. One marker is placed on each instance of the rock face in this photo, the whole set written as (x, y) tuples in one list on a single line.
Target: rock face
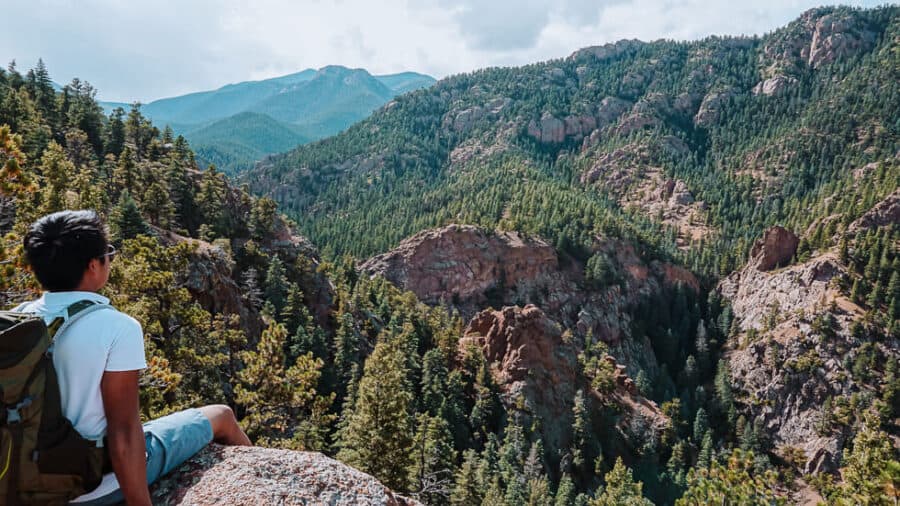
[(784, 376), (537, 370), (884, 213), (530, 360), (463, 262), (263, 476), (753, 292), (776, 248), (471, 268), (794, 349), (710, 108), (820, 37), (773, 85)]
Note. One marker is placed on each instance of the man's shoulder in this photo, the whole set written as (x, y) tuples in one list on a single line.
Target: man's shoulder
[(112, 316)]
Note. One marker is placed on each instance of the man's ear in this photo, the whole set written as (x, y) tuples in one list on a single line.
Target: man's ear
[(95, 265)]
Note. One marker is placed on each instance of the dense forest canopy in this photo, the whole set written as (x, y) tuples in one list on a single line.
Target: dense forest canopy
[(317, 355)]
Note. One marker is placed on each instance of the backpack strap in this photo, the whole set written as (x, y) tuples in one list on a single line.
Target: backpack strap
[(71, 314)]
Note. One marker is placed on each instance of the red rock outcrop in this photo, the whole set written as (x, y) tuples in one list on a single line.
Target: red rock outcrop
[(262, 476), (471, 268), (522, 340), (463, 262), (532, 361), (776, 247)]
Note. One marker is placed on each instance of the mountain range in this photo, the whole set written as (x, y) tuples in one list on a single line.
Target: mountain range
[(237, 124)]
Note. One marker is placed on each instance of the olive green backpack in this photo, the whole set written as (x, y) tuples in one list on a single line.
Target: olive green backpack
[(43, 459)]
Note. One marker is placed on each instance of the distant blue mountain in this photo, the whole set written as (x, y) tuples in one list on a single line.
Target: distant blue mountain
[(234, 125)]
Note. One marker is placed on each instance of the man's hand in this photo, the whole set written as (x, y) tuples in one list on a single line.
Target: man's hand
[(125, 435)]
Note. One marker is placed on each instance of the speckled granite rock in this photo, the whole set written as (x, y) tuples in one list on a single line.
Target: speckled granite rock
[(262, 476)]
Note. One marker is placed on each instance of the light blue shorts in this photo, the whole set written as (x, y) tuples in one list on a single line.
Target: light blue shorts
[(170, 440)]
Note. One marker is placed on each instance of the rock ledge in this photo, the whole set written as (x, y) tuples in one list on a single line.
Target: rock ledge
[(240, 475)]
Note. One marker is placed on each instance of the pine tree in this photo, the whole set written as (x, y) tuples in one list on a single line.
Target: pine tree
[(57, 171), (705, 457), (181, 192), (585, 446), (856, 291), (511, 463), (262, 218), (620, 489), (276, 396), (157, 205), (874, 298), (701, 425), (565, 492), (433, 460), (114, 133), (125, 176), (871, 454), (126, 221), (434, 382), (377, 437), (210, 200), (467, 489), (276, 284), (736, 482), (346, 346), (485, 410)]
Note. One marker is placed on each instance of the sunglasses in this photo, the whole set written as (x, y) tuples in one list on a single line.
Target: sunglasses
[(111, 252)]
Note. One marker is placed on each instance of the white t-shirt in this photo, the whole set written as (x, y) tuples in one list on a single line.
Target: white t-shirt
[(104, 340)]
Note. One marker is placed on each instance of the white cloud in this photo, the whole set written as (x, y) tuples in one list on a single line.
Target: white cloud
[(142, 50)]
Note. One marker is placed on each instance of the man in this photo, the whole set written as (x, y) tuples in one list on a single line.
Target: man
[(98, 362)]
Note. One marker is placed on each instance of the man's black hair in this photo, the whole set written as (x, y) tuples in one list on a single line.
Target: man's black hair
[(60, 246)]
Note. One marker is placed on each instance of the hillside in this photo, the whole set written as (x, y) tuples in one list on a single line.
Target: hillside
[(299, 107), (687, 154), (691, 142), (241, 139)]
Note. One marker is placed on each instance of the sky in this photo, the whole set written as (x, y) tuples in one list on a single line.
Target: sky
[(141, 50)]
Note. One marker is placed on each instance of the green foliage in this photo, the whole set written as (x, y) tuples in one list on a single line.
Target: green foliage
[(599, 368), (734, 482), (871, 471), (620, 489), (377, 438), (280, 400), (126, 221), (434, 460)]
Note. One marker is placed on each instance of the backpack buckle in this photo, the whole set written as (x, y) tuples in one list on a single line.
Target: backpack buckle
[(13, 415)]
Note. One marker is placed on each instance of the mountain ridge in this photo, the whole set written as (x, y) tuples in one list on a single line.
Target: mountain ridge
[(312, 103)]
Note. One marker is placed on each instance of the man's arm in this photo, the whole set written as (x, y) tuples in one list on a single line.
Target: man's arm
[(125, 434)]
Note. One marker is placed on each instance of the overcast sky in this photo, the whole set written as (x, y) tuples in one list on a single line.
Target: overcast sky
[(143, 50)]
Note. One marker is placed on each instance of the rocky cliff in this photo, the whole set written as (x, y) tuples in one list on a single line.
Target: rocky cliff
[(792, 358), (471, 268), (262, 476), (536, 366)]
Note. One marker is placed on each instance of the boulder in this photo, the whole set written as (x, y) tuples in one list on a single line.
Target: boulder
[(776, 248), (773, 85), (610, 109), (262, 476), (711, 107), (680, 195), (465, 119)]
